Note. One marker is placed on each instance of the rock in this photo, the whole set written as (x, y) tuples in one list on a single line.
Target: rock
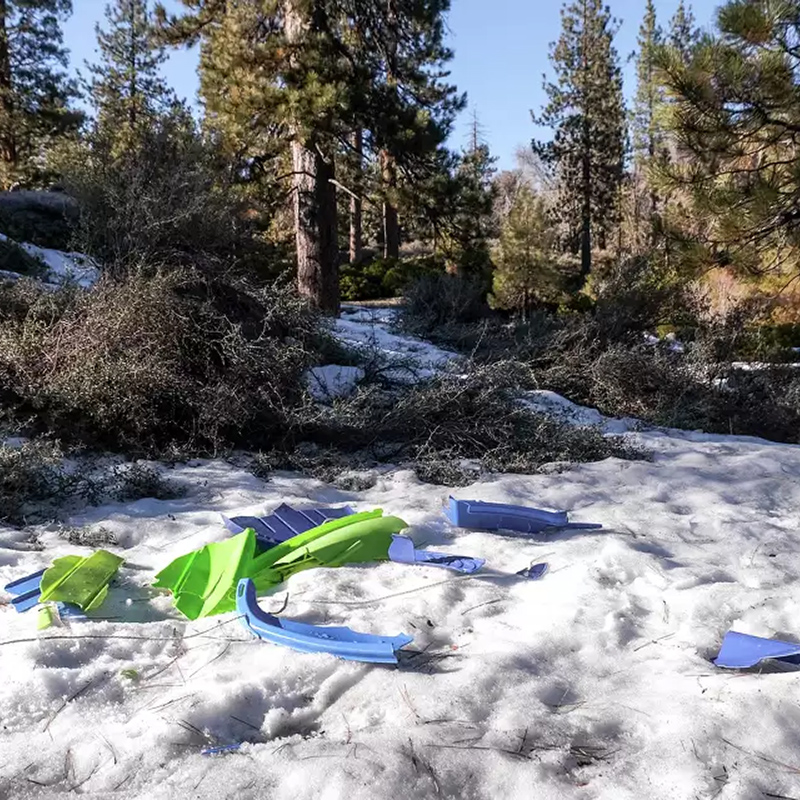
[(46, 219)]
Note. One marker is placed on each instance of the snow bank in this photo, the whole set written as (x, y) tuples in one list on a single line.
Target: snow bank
[(333, 380), (61, 266), (548, 402), (594, 682), (410, 359)]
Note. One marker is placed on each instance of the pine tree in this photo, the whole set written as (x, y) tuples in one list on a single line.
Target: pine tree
[(466, 245), (526, 260), (683, 33), (34, 90), (410, 108), (735, 113), (587, 115), (648, 135), (311, 74), (127, 89)]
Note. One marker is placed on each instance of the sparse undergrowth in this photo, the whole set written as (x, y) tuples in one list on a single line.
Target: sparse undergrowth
[(450, 430), (600, 358), (35, 480), (159, 362)]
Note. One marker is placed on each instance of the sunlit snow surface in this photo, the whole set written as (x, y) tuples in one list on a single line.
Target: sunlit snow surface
[(593, 682)]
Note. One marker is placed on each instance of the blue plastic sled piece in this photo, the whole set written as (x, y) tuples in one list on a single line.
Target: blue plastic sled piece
[(284, 522), (534, 571), (741, 650), (402, 551), (499, 516), (224, 748), (26, 596), (340, 642)]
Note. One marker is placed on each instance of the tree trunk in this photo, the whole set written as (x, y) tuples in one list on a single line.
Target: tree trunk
[(391, 227), (315, 228), (356, 243), (586, 221), (8, 143), (586, 172), (315, 216)]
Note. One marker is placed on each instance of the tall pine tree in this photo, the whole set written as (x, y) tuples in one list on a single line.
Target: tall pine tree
[(735, 113), (311, 73), (34, 90), (126, 88), (648, 134), (683, 32), (586, 113)]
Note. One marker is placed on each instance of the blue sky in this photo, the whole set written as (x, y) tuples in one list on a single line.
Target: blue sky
[(501, 50)]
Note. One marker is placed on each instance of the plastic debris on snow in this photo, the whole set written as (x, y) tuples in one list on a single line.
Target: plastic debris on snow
[(338, 641), (80, 580), (25, 593), (402, 551), (481, 515), (742, 650), (204, 582), (285, 522)]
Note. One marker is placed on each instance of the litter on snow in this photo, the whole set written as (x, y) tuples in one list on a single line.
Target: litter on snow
[(741, 650)]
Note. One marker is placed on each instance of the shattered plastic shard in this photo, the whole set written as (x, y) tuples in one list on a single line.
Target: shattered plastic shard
[(741, 650), (285, 522), (534, 571), (402, 551), (485, 516)]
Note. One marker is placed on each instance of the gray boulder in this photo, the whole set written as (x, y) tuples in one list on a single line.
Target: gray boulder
[(46, 219)]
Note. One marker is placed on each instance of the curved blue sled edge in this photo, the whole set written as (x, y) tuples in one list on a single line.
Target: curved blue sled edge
[(741, 650), (496, 516), (337, 641)]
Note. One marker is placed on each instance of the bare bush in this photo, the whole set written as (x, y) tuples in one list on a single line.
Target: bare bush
[(435, 301), (449, 429), (176, 359)]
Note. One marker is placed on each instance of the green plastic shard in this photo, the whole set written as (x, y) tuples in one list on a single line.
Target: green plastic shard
[(204, 582), (200, 581), (80, 580), (46, 617)]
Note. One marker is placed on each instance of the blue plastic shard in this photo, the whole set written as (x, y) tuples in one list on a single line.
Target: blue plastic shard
[(500, 516), (534, 571), (224, 748), (402, 551), (24, 585), (25, 602), (741, 650), (26, 591), (284, 522), (341, 642)]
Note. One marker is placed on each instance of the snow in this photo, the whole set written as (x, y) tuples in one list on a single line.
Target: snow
[(61, 266), (333, 380), (548, 402), (593, 682), (410, 359)]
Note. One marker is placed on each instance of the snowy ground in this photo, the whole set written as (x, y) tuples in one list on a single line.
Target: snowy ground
[(593, 682), (60, 266), (369, 329)]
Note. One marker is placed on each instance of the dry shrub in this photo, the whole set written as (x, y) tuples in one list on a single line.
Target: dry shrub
[(450, 430), (152, 362), (439, 300)]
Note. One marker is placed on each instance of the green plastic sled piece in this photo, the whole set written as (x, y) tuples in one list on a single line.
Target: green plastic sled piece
[(204, 582), (80, 580)]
